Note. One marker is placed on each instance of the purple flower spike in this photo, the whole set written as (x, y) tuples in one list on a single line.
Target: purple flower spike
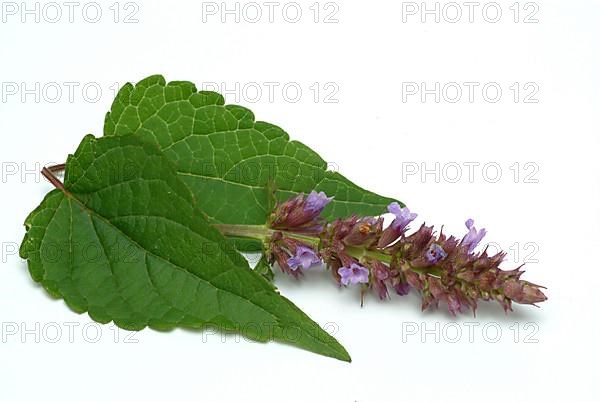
[(403, 216), (305, 257), (472, 239), (354, 275), (315, 202), (435, 254)]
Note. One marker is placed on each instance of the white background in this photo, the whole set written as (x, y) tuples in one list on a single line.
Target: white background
[(547, 215)]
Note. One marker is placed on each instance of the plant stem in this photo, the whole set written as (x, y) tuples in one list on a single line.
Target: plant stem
[(263, 233), (260, 232), (359, 252), (57, 168), (48, 174)]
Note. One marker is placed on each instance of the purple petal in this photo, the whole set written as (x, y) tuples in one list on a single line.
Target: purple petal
[(305, 257), (394, 208), (294, 263), (362, 276), (315, 202), (403, 216), (345, 274), (473, 237), (435, 253), (353, 275)]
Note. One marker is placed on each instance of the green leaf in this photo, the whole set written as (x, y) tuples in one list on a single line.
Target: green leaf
[(125, 241), (264, 268), (226, 157)]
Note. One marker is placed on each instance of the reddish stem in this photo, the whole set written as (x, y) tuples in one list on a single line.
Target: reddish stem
[(48, 174), (57, 168)]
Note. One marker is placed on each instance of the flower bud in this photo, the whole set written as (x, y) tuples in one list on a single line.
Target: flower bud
[(523, 292), (363, 232), (300, 213)]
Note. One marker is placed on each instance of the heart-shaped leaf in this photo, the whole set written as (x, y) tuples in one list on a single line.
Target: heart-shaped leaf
[(125, 241), (226, 157)]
